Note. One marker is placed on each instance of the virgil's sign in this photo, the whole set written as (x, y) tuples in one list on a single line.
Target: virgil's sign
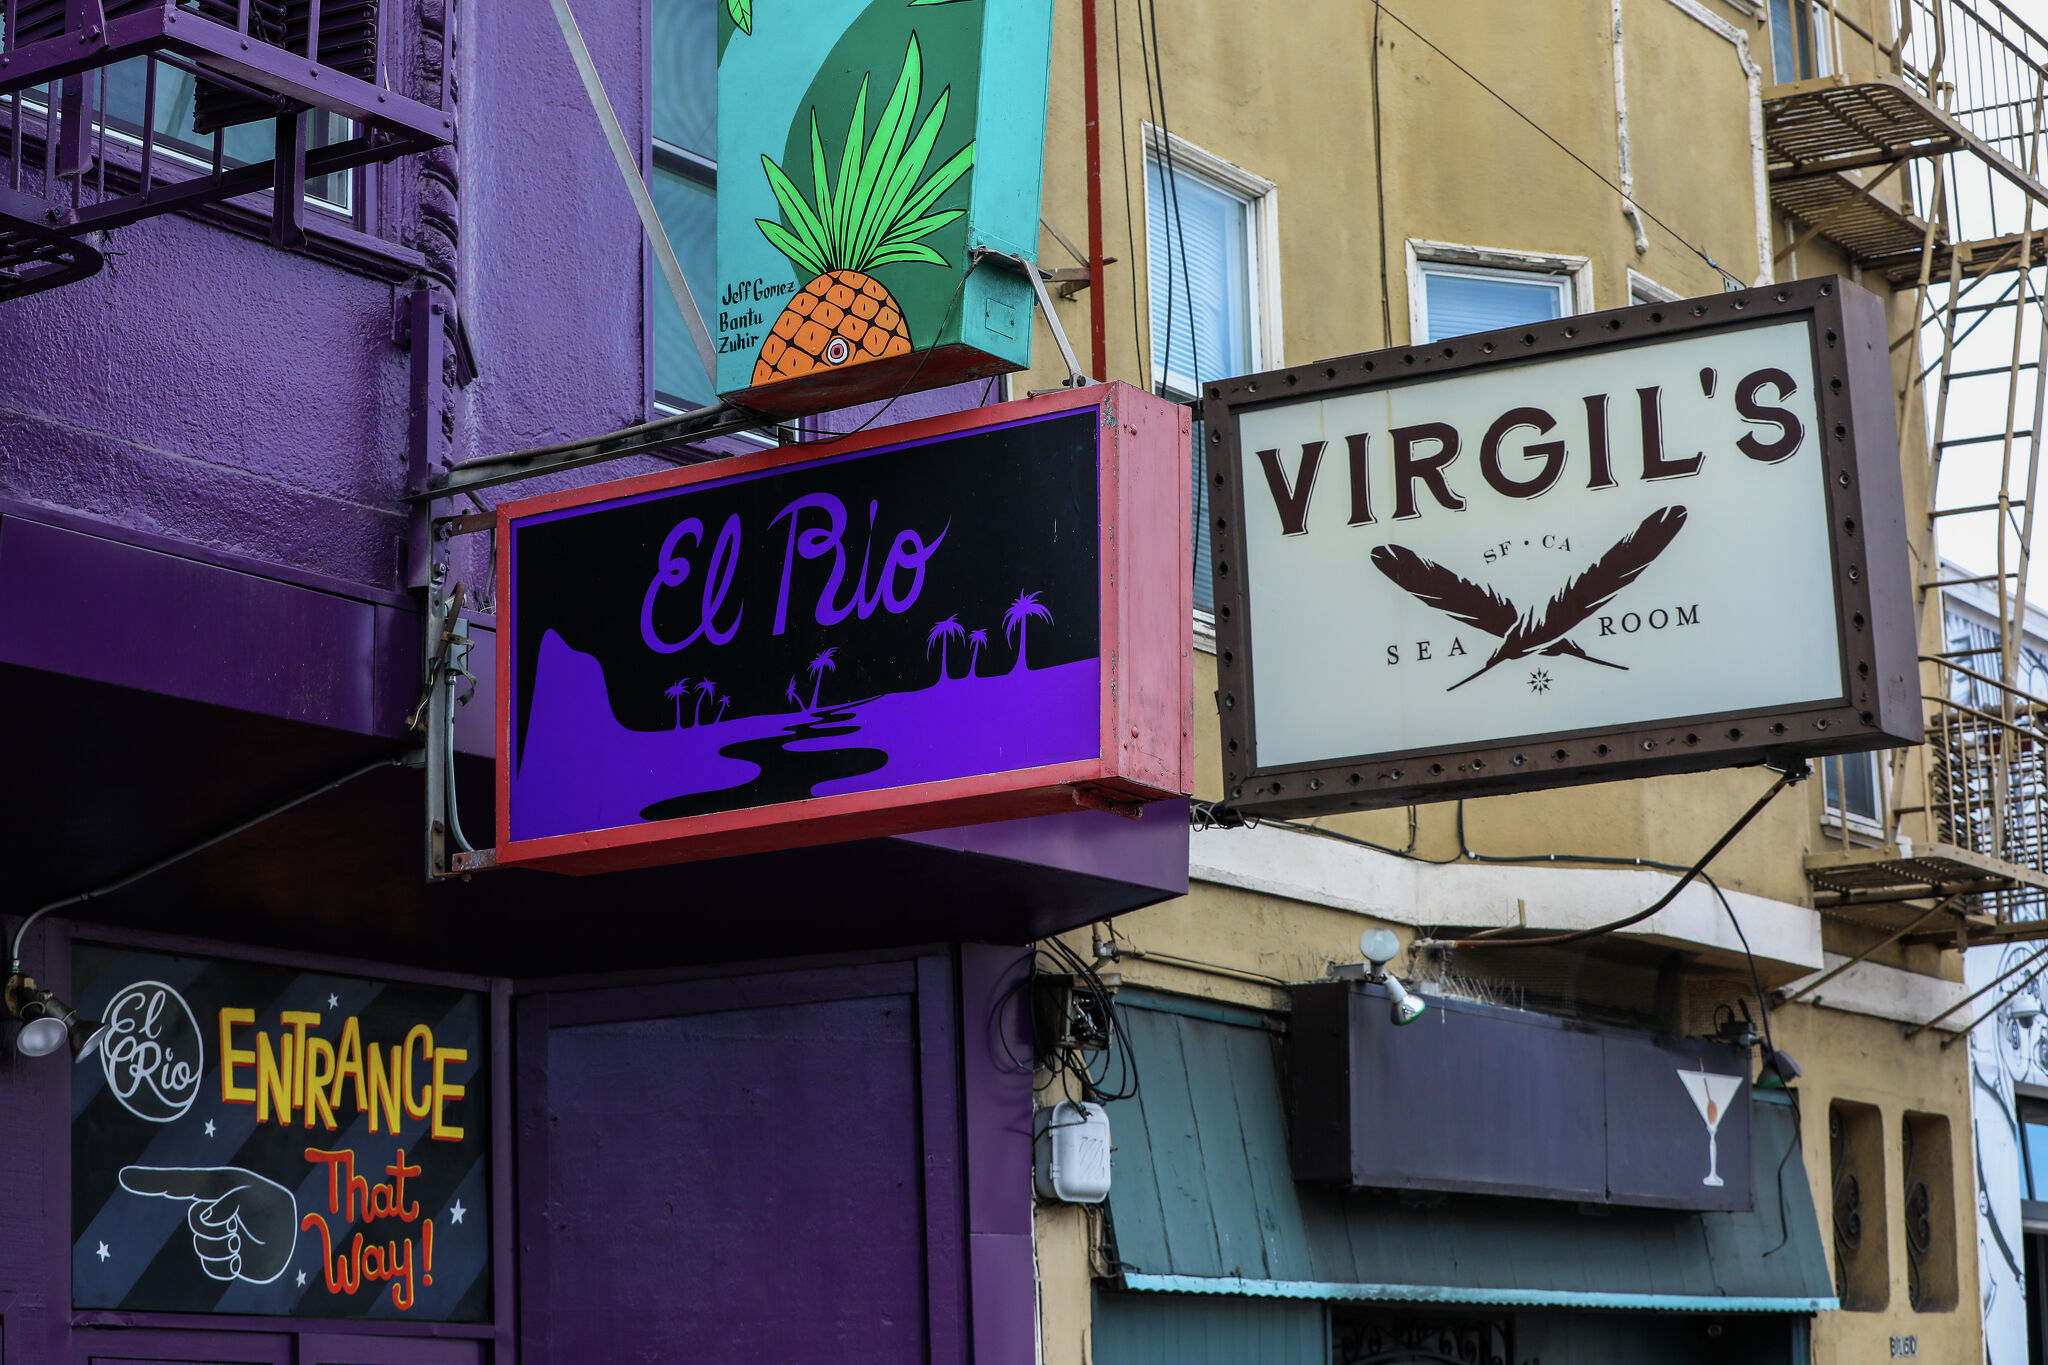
[(866, 150), (1659, 539), (970, 618), (253, 1139)]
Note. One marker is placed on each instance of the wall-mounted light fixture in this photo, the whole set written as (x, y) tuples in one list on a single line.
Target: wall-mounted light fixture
[(1380, 947), (46, 1022)]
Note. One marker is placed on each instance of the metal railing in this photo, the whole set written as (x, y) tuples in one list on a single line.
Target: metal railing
[(142, 107), (1985, 775)]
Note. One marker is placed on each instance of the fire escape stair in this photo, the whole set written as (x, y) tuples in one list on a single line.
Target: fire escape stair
[(35, 252), (1879, 887), (1817, 132)]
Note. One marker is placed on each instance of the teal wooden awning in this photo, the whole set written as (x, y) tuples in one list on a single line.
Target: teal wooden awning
[(1202, 1201)]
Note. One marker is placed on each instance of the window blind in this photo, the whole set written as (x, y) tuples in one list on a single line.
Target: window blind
[(1201, 284), (1459, 303)]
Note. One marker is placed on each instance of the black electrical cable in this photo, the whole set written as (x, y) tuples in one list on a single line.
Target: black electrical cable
[(1092, 1088), (1116, 17), (178, 856), (1509, 105), (1379, 184), (1557, 940)]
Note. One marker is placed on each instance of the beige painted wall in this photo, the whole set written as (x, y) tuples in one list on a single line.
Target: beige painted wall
[(1288, 93)]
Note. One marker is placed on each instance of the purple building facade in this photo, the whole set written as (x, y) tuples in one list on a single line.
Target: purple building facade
[(766, 1108)]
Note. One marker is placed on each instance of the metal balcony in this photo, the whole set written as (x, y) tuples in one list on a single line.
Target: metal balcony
[(1977, 841), (85, 150)]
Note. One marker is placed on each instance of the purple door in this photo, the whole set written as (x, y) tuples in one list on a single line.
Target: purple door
[(737, 1169)]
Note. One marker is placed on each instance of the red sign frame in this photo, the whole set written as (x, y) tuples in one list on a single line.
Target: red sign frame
[(1143, 553)]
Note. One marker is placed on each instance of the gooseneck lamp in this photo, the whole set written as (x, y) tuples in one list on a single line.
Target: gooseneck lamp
[(44, 1023)]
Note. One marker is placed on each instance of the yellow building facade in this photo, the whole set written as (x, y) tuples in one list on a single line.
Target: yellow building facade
[(1374, 162)]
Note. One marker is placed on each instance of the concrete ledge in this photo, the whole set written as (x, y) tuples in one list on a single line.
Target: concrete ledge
[(1323, 871)]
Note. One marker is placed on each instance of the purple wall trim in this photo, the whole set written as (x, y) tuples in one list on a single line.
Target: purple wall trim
[(996, 1115)]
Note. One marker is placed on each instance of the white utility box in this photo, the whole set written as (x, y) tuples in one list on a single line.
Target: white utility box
[(1070, 1152)]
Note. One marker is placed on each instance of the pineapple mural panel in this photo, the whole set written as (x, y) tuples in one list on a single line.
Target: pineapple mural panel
[(866, 150)]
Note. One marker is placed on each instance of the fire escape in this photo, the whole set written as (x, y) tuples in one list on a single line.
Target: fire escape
[(120, 110), (1911, 141)]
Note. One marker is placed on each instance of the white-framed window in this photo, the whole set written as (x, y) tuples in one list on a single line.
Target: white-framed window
[(1643, 289), (1800, 49), (1853, 785), (1213, 277), (683, 178), (1456, 290), (1213, 266)]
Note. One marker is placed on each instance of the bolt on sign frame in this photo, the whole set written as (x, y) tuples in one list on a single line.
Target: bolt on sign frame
[(1675, 541), (870, 153), (976, 617)]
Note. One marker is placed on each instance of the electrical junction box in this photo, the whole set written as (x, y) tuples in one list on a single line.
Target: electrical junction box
[(1070, 1152)]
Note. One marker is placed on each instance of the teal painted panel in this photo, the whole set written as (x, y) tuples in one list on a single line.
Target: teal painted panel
[(1277, 1206), (1182, 1186), (1203, 1201), (1219, 1128), (1174, 1329), (1782, 1238), (866, 148)]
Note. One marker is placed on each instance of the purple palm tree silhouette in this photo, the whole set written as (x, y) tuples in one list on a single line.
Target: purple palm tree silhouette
[(976, 640), (943, 634), (792, 696), (723, 702), (707, 688), (678, 692), (818, 668), (1017, 621)]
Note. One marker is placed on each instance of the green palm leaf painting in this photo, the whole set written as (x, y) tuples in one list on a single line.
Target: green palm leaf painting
[(875, 211)]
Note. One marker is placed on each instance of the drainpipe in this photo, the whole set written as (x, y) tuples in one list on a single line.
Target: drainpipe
[(1098, 325)]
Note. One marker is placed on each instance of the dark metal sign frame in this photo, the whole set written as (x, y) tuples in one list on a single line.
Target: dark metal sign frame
[(1866, 526)]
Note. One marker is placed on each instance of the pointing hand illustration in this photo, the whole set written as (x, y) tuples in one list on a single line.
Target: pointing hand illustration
[(243, 1226)]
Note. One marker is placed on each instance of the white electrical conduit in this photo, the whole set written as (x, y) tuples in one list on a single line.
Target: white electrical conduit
[(1628, 179)]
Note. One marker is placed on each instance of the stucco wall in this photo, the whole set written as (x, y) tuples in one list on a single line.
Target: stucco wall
[(1291, 99)]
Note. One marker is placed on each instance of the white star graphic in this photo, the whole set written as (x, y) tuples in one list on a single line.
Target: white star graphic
[(456, 1211), (302, 1279), (209, 1127), (334, 1002), (103, 1253)]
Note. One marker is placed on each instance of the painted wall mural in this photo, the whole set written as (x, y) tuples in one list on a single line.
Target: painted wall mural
[(867, 151), (255, 1140), (2009, 1049)]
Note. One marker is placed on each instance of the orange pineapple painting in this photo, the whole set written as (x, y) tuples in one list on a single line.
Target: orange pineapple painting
[(874, 213)]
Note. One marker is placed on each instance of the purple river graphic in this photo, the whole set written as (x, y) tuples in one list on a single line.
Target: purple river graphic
[(583, 770)]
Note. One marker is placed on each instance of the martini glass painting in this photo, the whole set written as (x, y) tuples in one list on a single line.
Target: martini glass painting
[(1710, 1095)]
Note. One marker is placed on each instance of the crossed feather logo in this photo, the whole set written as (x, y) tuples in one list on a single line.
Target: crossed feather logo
[(1523, 633)]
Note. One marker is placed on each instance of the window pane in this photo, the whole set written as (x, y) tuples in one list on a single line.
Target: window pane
[(1458, 303), (1798, 46), (1201, 282), (2037, 1160), (686, 75), (685, 105), (242, 144), (689, 211), (1858, 774)]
